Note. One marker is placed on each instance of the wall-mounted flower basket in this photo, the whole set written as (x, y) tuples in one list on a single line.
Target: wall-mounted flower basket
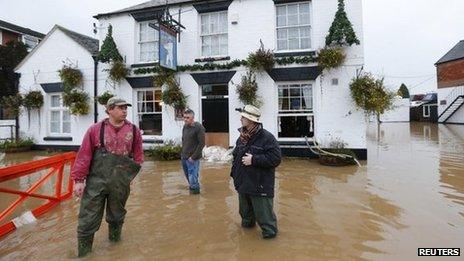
[(261, 60), (13, 104), (331, 57), (70, 77), (247, 90), (104, 97), (77, 101)]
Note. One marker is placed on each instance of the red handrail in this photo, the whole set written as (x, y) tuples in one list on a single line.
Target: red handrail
[(55, 165)]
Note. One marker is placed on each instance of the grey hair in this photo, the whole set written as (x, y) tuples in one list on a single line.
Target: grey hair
[(190, 112)]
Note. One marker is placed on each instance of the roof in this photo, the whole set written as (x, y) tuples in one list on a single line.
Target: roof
[(456, 53), (18, 29), (89, 43), (146, 5)]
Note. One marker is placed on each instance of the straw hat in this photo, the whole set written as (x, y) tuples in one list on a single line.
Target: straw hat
[(250, 112)]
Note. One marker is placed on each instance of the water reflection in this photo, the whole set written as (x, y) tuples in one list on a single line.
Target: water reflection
[(409, 194)]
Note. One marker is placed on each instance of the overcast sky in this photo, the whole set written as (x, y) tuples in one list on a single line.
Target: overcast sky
[(403, 38)]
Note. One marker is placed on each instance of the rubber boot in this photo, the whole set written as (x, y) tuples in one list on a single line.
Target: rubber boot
[(84, 245), (114, 233)]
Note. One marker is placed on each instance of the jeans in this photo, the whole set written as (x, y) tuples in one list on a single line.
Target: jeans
[(191, 170)]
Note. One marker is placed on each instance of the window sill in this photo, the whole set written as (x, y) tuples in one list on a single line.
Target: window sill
[(58, 138), (294, 53), (150, 141), (212, 59), (139, 65)]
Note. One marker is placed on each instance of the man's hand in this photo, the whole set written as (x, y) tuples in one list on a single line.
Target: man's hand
[(191, 160), (246, 160), (79, 189)]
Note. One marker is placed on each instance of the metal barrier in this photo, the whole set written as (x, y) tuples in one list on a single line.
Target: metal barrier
[(55, 166)]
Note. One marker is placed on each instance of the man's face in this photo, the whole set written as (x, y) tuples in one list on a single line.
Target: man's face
[(188, 119), (118, 113), (245, 122)]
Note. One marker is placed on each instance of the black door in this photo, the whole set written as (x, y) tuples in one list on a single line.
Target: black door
[(215, 114)]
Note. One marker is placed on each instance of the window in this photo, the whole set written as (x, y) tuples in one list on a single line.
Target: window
[(148, 42), (426, 111), (295, 117), (60, 119), (149, 111), (214, 34), (293, 26), (30, 41)]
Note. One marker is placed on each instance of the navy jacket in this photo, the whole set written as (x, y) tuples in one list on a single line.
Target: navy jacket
[(258, 179)]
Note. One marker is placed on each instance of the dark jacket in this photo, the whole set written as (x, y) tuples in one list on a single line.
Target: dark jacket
[(258, 179), (193, 141)]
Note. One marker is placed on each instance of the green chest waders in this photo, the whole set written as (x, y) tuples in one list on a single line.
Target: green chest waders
[(108, 183)]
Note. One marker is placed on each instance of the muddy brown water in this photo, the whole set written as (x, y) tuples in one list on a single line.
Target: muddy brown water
[(409, 194)]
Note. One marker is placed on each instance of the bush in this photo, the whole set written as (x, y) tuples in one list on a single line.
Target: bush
[(331, 57), (167, 151), (8, 145), (13, 104)]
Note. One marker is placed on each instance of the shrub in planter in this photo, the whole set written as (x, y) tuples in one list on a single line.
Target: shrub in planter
[(331, 57), (16, 146), (70, 77), (13, 104), (77, 101), (261, 60), (118, 71), (247, 90), (103, 99), (167, 151)]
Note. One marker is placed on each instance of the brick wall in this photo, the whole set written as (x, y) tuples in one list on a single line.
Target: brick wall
[(9, 36), (450, 74)]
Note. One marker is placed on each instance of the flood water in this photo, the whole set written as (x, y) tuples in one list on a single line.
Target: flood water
[(409, 194)]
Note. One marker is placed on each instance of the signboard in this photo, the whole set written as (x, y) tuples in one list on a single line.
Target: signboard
[(167, 47)]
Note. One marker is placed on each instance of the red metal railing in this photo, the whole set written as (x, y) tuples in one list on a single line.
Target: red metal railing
[(55, 166)]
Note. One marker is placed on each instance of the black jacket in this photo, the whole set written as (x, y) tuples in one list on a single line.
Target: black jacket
[(258, 179)]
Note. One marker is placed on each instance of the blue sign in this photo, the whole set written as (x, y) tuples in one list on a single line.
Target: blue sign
[(167, 48)]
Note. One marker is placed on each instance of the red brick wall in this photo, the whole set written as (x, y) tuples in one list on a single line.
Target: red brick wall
[(450, 74)]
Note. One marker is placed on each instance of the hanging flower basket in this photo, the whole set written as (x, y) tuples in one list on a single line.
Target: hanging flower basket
[(13, 104), (247, 90), (70, 77), (261, 60), (103, 99), (33, 100), (331, 57), (77, 101), (174, 96), (118, 71)]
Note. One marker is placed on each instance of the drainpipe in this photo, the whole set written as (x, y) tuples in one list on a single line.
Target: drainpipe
[(95, 89)]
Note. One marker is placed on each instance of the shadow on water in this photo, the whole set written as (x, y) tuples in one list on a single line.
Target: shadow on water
[(409, 194)]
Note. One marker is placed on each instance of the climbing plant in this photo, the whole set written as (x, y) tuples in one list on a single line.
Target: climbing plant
[(341, 31)]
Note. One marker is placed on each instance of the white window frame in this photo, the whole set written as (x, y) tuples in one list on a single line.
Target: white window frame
[(311, 48), (140, 42), (61, 109), (137, 113), (201, 35), (426, 112), (307, 113)]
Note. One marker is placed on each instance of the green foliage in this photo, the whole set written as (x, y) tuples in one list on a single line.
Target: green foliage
[(167, 151), (13, 104), (403, 91), (109, 51), (33, 100), (371, 95), (11, 54), (118, 71), (77, 101), (261, 60), (331, 57), (104, 97), (247, 90), (164, 76), (341, 31), (70, 77), (173, 95), (21, 143)]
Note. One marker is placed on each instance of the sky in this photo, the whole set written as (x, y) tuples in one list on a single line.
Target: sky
[(402, 38)]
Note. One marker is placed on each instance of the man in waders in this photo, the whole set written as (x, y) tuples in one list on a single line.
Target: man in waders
[(193, 141), (256, 155), (108, 159)]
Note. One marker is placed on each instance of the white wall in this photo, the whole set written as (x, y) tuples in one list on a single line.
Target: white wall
[(444, 94), (400, 112), (42, 67), (5, 130)]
